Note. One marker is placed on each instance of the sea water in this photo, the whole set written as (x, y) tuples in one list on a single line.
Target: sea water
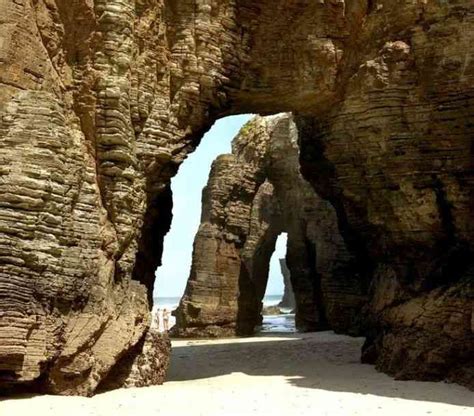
[(284, 322)]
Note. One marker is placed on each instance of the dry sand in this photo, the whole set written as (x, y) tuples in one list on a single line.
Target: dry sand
[(310, 374)]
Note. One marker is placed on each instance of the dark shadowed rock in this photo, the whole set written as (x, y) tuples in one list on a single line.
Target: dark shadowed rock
[(145, 364)]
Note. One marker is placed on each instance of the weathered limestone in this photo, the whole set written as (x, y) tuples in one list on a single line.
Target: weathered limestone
[(145, 364), (101, 100), (252, 196), (395, 159)]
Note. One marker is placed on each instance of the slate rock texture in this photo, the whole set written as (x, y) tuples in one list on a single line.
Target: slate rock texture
[(253, 195), (102, 100)]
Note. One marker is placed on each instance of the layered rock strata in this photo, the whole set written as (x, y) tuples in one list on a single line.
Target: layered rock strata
[(253, 195), (145, 364), (100, 102)]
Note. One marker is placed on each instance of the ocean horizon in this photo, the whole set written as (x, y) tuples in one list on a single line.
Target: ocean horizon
[(271, 323), (172, 302)]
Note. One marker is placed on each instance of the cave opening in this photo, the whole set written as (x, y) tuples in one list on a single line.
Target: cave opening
[(278, 303), (250, 293), (173, 247), (216, 267)]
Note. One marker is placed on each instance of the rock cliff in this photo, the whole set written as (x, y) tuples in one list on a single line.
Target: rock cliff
[(252, 196), (101, 100)]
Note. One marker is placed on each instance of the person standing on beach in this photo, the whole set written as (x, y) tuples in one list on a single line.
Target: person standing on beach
[(165, 320), (158, 319)]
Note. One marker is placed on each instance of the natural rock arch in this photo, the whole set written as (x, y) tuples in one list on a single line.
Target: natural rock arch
[(102, 100), (252, 196)]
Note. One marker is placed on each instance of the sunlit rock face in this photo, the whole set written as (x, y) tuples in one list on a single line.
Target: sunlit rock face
[(101, 100), (252, 196)]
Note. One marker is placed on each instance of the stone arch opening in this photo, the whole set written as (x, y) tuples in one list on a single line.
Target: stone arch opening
[(253, 279), (173, 271), (253, 195), (384, 119), (278, 303)]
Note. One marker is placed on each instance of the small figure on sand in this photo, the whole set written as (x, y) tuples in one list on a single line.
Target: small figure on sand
[(165, 320), (158, 319)]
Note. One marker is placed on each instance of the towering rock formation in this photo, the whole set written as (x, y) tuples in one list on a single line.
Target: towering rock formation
[(288, 299), (252, 196), (101, 100), (395, 158)]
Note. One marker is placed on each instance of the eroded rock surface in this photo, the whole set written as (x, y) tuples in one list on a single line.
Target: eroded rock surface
[(101, 100), (145, 364), (252, 196)]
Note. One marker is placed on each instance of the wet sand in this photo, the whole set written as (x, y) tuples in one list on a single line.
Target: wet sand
[(291, 374)]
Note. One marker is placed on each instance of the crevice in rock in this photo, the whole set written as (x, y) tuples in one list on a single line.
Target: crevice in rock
[(157, 223)]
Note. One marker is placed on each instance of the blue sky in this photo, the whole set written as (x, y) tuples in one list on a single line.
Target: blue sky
[(187, 188)]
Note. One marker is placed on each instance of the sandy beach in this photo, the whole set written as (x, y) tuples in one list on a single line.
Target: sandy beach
[(297, 374)]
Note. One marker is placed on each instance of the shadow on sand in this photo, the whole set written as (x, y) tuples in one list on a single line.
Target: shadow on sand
[(321, 361)]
